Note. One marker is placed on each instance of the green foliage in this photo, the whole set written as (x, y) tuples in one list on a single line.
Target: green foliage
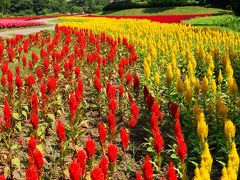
[(5, 5), (236, 7), (146, 4)]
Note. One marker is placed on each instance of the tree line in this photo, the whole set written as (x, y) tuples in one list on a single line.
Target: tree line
[(40, 7)]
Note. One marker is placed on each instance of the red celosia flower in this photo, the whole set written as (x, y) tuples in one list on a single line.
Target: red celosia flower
[(147, 169), (82, 159), (156, 110), (174, 109), (98, 84), (132, 122), (31, 171), (134, 110), (121, 91), (154, 123), (171, 173), (7, 114), (77, 72), (30, 80), (120, 72), (46, 64), (111, 90), (2, 177), (61, 132), (34, 121), (112, 105), (80, 87), (37, 155), (75, 170), (182, 150), (129, 78), (19, 82), (39, 73), (124, 138), (158, 143), (34, 102), (102, 132), (24, 61), (78, 95), (98, 72), (10, 76), (112, 153), (136, 82), (43, 91), (138, 176), (111, 119), (51, 84), (30, 65), (103, 164), (56, 69), (97, 174), (31, 144), (17, 69), (72, 106), (90, 147), (3, 81)]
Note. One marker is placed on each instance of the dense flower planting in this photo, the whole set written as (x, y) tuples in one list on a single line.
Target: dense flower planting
[(161, 19), (102, 98), (12, 23)]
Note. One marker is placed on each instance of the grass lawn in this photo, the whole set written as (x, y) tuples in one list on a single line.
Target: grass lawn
[(165, 11), (223, 21)]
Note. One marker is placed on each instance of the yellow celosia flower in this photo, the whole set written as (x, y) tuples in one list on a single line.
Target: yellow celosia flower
[(146, 69), (157, 79), (197, 175), (206, 158), (205, 86), (213, 86), (202, 128), (229, 129), (224, 174), (169, 74), (220, 78), (233, 158), (180, 86)]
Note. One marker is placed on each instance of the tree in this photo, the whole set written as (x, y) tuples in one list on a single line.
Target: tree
[(5, 5), (18, 6), (236, 7)]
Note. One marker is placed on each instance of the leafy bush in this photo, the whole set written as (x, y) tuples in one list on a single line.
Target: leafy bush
[(236, 7), (145, 4)]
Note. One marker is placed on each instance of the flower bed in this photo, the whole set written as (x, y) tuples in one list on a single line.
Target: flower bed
[(161, 19), (12, 23)]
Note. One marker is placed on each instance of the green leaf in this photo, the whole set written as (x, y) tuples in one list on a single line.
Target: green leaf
[(40, 148), (40, 131), (16, 116), (24, 113), (19, 126), (16, 162), (150, 149), (51, 116), (174, 156), (194, 163), (221, 162), (14, 147), (6, 171)]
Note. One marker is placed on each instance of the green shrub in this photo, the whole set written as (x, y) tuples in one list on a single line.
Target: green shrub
[(147, 4), (236, 7)]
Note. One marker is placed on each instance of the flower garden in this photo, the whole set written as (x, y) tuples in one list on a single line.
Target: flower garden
[(120, 98)]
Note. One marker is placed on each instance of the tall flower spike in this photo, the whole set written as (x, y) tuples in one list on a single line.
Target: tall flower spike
[(75, 170), (90, 147), (112, 153), (82, 159), (147, 169), (103, 164), (61, 132), (171, 173), (102, 132), (7, 114), (124, 138), (97, 174)]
